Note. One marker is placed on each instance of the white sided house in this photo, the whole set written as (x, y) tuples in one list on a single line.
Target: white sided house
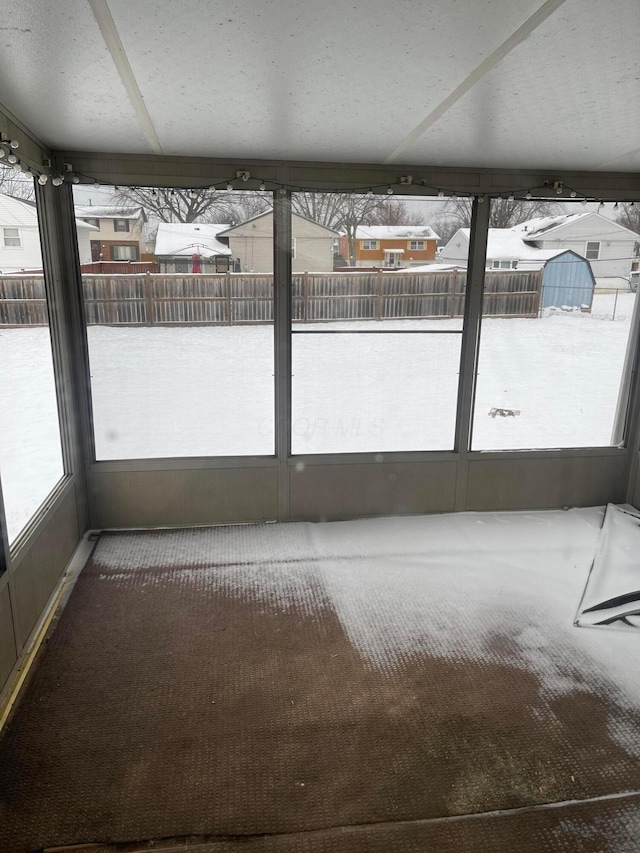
[(506, 250), (606, 244), (188, 247), (251, 243), (20, 236)]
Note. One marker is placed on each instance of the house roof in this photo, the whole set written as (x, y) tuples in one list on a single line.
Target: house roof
[(395, 232), (190, 238), (16, 213), (91, 211), (269, 212), (507, 244), (21, 213), (544, 226)]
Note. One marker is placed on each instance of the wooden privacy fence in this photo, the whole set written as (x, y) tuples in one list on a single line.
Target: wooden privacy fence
[(237, 298)]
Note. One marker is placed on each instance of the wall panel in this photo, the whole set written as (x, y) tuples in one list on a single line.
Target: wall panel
[(8, 654), (333, 491), (33, 577), (157, 498), (535, 483)]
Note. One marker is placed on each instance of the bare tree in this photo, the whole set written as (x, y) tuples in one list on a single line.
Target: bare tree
[(197, 205), (394, 212), (341, 211), (629, 216), (16, 184), (505, 213)]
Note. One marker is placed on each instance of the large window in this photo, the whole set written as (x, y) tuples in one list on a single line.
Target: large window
[(124, 253), (30, 450), (376, 353), (553, 345), (182, 363)]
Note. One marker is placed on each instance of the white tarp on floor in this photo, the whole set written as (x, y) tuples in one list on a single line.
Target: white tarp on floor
[(612, 594)]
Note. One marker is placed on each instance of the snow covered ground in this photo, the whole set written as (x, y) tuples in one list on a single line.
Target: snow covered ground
[(206, 391)]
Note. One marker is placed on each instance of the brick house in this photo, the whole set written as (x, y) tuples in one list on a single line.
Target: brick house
[(391, 246)]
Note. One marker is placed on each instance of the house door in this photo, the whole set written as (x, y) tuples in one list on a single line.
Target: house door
[(392, 259), (95, 250)]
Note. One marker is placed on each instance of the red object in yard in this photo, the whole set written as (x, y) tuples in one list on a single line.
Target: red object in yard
[(196, 263)]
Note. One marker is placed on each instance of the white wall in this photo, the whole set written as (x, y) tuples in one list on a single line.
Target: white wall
[(85, 235), (27, 256), (456, 250), (616, 249), (252, 242)]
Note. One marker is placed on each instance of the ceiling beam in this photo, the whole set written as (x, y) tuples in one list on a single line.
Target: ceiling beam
[(176, 171), (110, 34), (477, 74)]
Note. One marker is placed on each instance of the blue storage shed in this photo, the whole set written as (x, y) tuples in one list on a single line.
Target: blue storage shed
[(567, 280)]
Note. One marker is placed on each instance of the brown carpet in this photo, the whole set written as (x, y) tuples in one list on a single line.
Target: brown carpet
[(218, 695)]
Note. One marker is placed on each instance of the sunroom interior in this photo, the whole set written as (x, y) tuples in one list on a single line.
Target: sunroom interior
[(312, 425)]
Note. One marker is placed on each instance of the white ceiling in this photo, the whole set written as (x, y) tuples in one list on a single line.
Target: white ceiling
[(478, 83)]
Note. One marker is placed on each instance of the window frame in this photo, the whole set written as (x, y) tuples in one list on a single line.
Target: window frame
[(127, 246), (121, 222), (417, 245), (366, 248), (17, 236), (588, 243)]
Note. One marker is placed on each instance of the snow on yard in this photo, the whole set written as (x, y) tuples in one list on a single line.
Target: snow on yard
[(30, 452), (207, 391)]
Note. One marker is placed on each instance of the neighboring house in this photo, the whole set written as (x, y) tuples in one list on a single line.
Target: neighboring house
[(505, 250), (20, 236), (119, 232), (390, 246), (567, 280), (187, 247), (606, 244), (251, 244)]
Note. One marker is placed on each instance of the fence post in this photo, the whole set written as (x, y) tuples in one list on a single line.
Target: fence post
[(111, 311), (227, 282), (379, 297), (305, 296), (452, 293), (148, 293)]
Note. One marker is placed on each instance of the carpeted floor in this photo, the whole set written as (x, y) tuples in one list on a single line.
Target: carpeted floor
[(371, 685)]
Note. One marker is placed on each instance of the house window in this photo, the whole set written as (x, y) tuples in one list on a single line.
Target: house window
[(593, 251), (504, 265), (369, 244), (416, 245), (124, 253), (11, 237), (293, 247), (93, 222), (120, 224)]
